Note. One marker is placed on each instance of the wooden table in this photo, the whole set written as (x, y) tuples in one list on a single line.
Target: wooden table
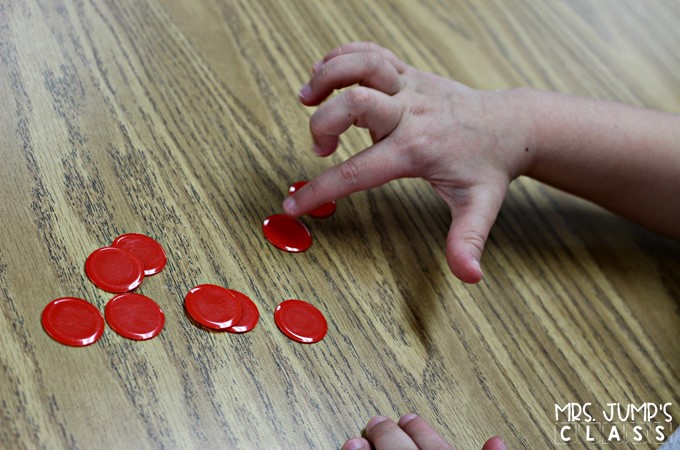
[(180, 120)]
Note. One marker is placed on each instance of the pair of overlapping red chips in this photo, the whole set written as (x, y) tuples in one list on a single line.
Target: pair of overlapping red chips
[(119, 269), (289, 233), (226, 309)]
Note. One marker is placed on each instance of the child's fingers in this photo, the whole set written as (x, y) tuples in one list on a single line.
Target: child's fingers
[(382, 432), (471, 223), (364, 107), (359, 47), (495, 443), (369, 69), (422, 433), (370, 168), (357, 443)]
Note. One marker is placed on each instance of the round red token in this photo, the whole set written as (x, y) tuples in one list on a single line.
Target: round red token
[(323, 211), (134, 316), (300, 321), (149, 251), (114, 269), (249, 316), (213, 306), (287, 233), (72, 321)]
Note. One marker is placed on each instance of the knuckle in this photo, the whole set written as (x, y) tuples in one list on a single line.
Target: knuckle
[(384, 53), (312, 188), (344, 48), (415, 152), (324, 72), (474, 239), (372, 60), (372, 46), (359, 97), (350, 172)]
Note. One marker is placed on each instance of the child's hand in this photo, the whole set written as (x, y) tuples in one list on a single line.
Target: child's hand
[(410, 433), (468, 144)]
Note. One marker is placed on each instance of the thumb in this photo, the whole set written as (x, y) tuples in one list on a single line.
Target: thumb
[(472, 219)]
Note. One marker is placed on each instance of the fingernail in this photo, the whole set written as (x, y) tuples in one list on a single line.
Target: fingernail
[(289, 205), (305, 92), (316, 66), (504, 446), (316, 149), (406, 418), (375, 421)]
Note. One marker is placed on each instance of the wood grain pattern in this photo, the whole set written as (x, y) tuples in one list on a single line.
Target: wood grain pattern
[(180, 120)]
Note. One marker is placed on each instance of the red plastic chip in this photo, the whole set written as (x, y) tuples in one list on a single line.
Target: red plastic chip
[(134, 316), (149, 251), (249, 315), (287, 233), (114, 269), (213, 306), (300, 321), (72, 321), (323, 211)]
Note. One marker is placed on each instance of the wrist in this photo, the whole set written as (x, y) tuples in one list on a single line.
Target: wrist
[(518, 124)]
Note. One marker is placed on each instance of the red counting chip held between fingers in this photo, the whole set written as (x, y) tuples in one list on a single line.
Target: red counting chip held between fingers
[(149, 251), (323, 211), (134, 316), (114, 269), (300, 321), (287, 233), (213, 306), (249, 314), (72, 321)]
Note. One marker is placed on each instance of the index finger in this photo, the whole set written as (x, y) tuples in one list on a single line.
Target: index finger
[(357, 47), (370, 168)]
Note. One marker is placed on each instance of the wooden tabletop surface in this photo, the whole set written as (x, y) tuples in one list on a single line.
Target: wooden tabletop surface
[(180, 120)]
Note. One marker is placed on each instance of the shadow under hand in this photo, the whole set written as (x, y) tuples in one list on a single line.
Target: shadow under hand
[(598, 257), (571, 228), (400, 238)]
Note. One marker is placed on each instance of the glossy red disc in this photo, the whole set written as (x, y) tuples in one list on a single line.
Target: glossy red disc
[(249, 314), (287, 233), (114, 269), (213, 306), (134, 316), (149, 251), (323, 211), (300, 321), (72, 321)]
